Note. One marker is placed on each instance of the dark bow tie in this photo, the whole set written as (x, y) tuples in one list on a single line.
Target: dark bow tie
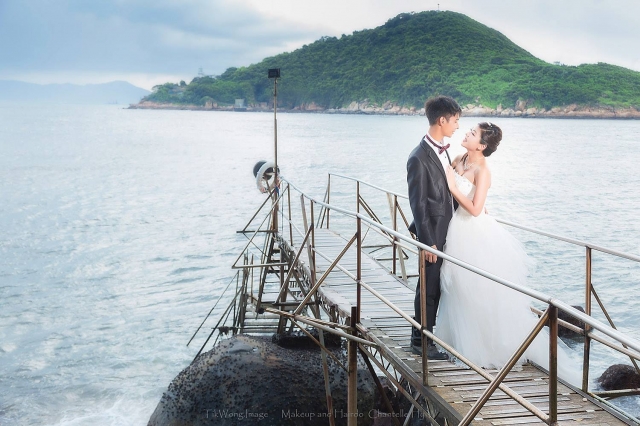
[(441, 148)]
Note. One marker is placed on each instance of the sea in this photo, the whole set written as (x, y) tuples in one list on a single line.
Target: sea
[(118, 231)]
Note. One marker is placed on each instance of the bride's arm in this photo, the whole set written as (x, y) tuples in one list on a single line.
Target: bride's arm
[(482, 182)]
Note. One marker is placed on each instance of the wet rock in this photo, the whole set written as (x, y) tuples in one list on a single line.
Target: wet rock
[(298, 339), (619, 376), (565, 332), (252, 380)]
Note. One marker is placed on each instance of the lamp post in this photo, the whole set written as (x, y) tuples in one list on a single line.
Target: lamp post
[(274, 73)]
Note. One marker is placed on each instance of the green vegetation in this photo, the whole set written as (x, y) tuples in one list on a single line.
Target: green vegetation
[(408, 59)]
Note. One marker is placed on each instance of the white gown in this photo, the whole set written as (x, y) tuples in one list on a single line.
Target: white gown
[(484, 320)]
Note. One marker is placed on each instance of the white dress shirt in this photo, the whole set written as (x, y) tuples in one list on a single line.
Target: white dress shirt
[(442, 157)]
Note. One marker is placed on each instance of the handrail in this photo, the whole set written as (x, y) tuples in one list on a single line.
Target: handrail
[(589, 288), (574, 241), (369, 185), (543, 297), (628, 345)]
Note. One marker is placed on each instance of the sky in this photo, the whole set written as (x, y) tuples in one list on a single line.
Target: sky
[(149, 42)]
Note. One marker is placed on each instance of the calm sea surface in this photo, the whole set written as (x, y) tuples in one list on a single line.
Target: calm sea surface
[(118, 232)]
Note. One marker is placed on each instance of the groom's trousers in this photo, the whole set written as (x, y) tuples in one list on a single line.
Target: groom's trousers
[(432, 273)]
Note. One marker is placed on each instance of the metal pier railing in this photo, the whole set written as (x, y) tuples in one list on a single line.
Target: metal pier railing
[(310, 275)]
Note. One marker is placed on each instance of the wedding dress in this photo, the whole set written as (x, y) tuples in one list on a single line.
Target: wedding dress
[(484, 320)]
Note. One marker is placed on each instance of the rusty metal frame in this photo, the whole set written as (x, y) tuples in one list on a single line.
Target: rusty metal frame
[(358, 336)]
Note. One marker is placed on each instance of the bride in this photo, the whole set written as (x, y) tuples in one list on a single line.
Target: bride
[(482, 319)]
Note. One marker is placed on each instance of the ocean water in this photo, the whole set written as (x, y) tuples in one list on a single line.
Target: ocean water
[(118, 232)]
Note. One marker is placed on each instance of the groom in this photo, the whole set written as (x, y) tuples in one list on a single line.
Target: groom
[(431, 205)]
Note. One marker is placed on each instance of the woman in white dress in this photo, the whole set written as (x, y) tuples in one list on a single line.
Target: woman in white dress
[(482, 319)]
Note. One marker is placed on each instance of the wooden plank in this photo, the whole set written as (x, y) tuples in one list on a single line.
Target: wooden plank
[(455, 383)]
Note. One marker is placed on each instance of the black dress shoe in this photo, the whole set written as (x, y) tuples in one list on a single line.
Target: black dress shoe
[(433, 353), (416, 348)]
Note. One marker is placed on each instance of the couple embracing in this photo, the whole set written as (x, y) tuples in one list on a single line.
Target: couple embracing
[(482, 319)]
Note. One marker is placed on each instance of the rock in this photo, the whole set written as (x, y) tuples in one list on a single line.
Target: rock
[(251, 379), (520, 105), (353, 106), (299, 340), (479, 111), (619, 376), (565, 332)]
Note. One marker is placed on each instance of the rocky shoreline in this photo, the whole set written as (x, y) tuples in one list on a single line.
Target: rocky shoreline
[(520, 109)]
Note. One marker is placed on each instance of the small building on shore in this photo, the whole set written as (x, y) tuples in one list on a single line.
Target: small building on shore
[(239, 105)]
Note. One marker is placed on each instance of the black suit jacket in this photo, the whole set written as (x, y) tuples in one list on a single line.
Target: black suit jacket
[(429, 196)]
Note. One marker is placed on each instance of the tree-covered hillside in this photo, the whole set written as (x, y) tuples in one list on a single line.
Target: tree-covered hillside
[(408, 59)]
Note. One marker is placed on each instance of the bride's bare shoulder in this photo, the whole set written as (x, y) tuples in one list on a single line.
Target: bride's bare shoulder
[(483, 173)]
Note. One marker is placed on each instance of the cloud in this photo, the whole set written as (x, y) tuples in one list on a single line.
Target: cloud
[(50, 41), (139, 36)]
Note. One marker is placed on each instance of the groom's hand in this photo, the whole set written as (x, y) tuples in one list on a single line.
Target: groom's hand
[(430, 257)]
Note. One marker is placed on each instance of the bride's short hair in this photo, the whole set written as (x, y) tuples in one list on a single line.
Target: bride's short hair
[(490, 136)]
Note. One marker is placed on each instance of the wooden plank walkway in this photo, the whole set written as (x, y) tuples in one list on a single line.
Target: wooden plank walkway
[(456, 384)]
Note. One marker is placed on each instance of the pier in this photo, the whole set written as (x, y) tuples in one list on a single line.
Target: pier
[(351, 272)]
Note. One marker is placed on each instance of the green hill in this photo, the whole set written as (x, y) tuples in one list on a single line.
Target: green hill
[(408, 59)]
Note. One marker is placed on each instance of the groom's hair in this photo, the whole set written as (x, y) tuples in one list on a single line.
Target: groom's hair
[(441, 106)]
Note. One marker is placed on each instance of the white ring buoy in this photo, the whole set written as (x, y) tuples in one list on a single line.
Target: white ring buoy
[(261, 182)]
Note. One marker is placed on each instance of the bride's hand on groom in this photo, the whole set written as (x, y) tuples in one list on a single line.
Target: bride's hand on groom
[(451, 177)]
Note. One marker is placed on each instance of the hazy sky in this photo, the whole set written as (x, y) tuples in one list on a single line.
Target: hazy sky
[(148, 42)]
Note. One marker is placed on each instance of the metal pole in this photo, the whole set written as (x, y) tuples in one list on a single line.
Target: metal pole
[(328, 198), (395, 228), (313, 238), (289, 204), (553, 365), (587, 309), (423, 317), (358, 196), (359, 268), (275, 145), (352, 394)]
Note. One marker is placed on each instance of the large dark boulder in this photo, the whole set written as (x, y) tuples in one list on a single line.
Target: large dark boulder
[(565, 332), (247, 380), (619, 376)]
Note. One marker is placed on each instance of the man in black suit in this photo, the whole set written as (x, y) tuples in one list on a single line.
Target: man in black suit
[(432, 205)]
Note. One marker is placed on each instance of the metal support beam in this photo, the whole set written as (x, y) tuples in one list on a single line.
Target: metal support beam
[(352, 354), (587, 340)]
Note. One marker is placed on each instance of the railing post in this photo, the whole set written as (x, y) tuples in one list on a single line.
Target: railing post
[(587, 309), (290, 219), (328, 198), (359, 267), (313, 235), (352, 391), (358, 196), (395, 228), (310, 245), (553, 365), (423, 316)]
